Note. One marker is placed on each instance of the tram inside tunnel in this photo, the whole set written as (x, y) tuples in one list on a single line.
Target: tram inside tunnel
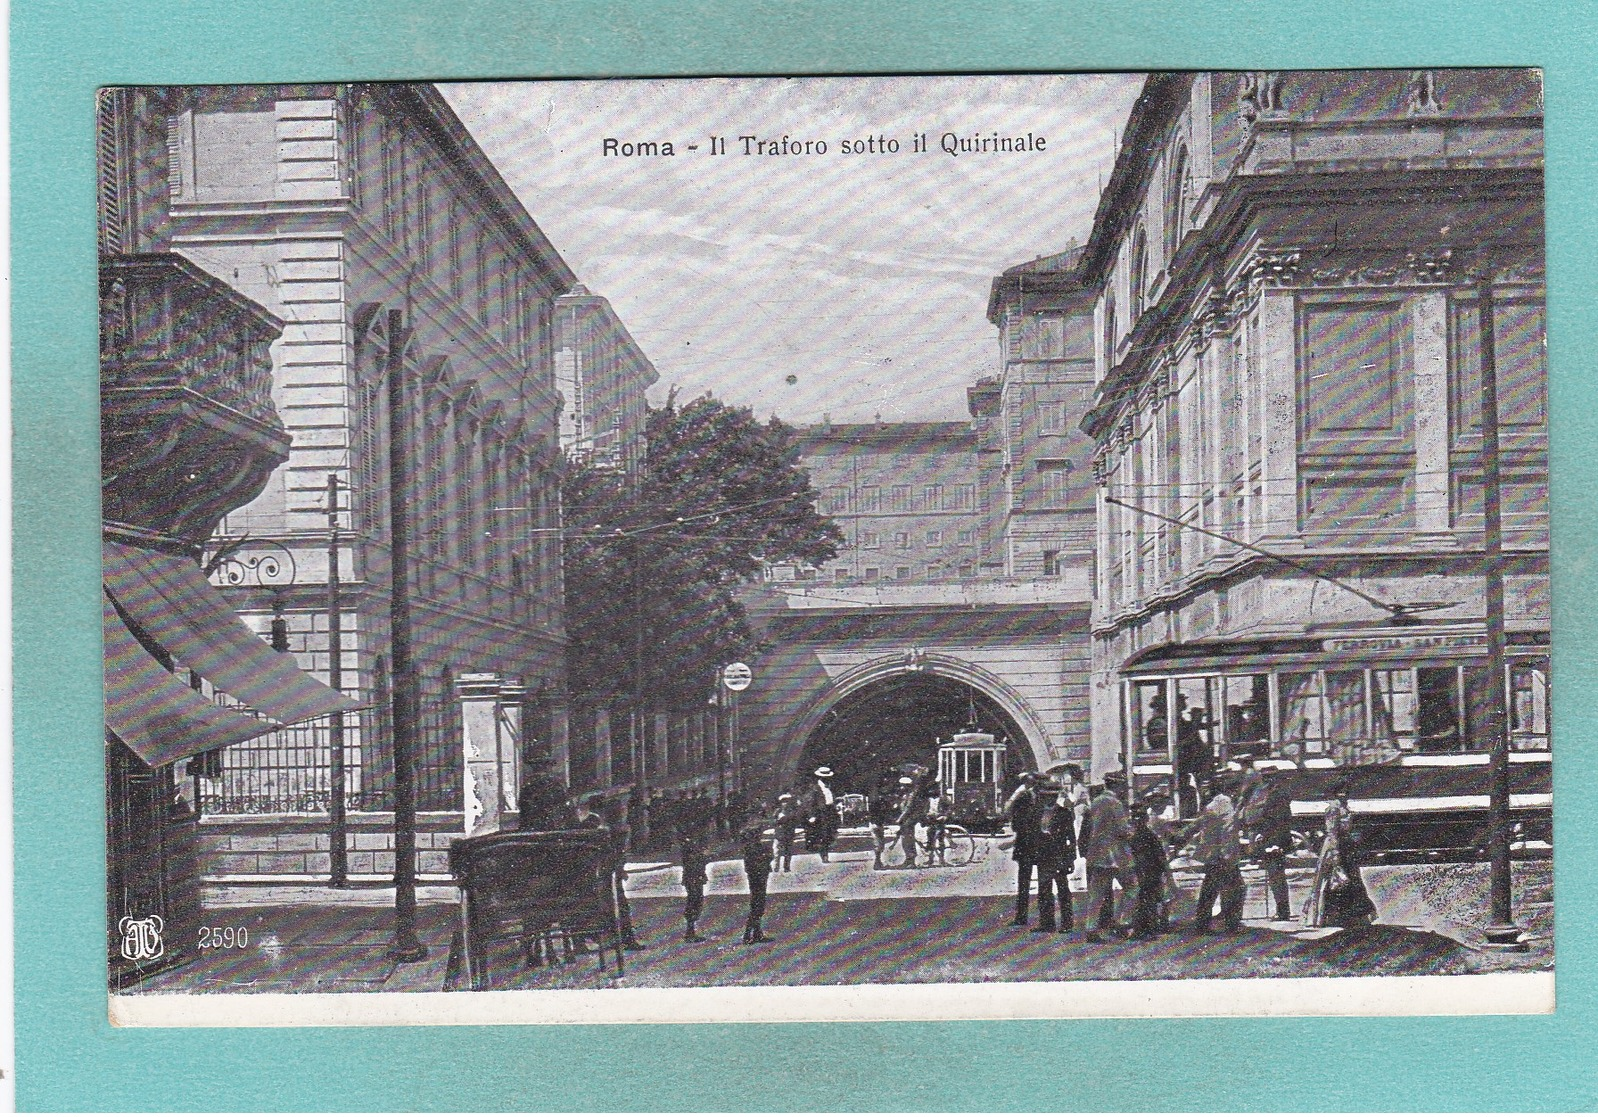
[(902, 719)]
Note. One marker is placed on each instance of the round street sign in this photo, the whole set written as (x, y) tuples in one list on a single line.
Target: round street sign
[(736, 676)]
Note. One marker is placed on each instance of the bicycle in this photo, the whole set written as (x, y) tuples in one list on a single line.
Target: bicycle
[(954, 846)]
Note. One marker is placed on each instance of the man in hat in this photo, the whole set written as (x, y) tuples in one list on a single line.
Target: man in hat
[(821, 814), (1056, 856), (1215, 844), (756, 856), (1265, 824), (1023, 809), (912, 813), (884, 811), (1106, 845)]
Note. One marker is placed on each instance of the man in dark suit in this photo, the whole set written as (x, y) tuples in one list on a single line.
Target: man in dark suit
[(1056, 856), (1022, 810)]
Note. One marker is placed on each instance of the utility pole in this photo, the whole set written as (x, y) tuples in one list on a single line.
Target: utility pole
[(1500, 932), (406, 946), (635, 561), (338, 859)]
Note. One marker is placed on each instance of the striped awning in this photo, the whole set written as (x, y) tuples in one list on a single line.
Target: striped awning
[(152, 712), (169, 601)]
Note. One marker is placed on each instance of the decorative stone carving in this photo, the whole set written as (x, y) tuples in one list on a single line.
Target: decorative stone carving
[(1420, 94), (1259, 96)]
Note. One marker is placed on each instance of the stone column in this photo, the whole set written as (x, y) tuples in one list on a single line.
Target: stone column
[(1432, 521), (602, 763), (1278, 364), (478, 694)]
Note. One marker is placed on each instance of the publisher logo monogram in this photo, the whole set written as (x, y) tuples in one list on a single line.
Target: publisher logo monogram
[(141, 938)]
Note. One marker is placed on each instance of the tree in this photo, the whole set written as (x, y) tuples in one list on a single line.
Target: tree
[(720, 495)]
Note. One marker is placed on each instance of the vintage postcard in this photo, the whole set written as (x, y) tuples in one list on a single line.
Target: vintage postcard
[(826, 548)]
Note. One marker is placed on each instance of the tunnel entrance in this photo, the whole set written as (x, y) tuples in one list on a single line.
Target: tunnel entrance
[(901, 719)]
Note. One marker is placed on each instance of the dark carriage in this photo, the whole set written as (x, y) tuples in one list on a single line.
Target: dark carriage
[(539, 889)]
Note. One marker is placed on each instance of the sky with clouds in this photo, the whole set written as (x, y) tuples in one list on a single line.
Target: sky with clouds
[(848, 286)]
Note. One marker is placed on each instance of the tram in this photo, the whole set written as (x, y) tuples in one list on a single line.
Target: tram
[(971, 780), (1396, 721)]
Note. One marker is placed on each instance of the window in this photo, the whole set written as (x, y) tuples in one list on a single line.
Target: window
[(870, 540), (1051, 418), (1056, 483), (839, 573), (1051, 564), (1528, 705), (1109, 330), (870, 498), (968, 537), (934, 538), (932, 497), (934, 570), (1176, 194), (965, 498), (901, 540), (901, 572), (967, 570), (1042, 337), (899, 498), (835, 500), (873, 573), (454, 249), (1139, 274)]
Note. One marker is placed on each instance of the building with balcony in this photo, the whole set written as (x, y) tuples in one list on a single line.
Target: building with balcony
[(366, 220), (602, 376), (1294, 276), (189, 432)]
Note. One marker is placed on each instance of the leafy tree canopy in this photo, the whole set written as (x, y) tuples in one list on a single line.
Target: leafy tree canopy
[(720, 494)]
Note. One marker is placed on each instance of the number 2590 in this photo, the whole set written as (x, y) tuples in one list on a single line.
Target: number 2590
[(224, 938)]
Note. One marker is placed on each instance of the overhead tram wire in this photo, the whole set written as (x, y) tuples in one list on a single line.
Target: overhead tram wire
[(1400, 613)]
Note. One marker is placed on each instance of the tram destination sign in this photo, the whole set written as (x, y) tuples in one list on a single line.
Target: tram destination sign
[(737, 676), (1420, 641)]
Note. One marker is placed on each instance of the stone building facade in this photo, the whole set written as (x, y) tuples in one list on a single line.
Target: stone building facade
[(1291, 271), (602, 376), (905, 495), (368, 220), (1037, 464)]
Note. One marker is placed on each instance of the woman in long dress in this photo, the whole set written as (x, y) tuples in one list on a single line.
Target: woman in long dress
[(1337, 896)]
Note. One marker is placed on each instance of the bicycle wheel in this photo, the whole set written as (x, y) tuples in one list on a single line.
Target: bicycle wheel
[(959, 847)]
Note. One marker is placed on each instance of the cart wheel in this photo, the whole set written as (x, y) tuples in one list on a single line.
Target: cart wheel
[(959, 847)]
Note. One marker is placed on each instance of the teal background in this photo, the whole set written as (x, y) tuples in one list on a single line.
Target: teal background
[(70, 1058)]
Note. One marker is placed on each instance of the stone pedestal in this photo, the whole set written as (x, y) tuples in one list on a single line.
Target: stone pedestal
[(490, 748)]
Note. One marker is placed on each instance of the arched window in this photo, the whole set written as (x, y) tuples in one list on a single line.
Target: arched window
[(1140, 274), (1109, 330), (1176, 193)]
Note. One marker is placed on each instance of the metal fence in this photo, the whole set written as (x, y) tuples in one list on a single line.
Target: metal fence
[(289, 771)]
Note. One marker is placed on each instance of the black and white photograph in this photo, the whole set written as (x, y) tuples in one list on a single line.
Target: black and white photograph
[(860, 547)]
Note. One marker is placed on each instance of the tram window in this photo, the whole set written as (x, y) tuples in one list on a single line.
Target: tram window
[(1345, 707), (1393, 707), (1247, 709), (1437, 709), (1147, 722), (1528, 709), (1302, 722), (1194, 706), (1478, 698)]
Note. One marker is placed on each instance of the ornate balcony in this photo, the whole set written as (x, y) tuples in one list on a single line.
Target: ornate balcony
[(188, 429)]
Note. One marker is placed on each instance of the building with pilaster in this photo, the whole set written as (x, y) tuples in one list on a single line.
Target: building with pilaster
[(368, 221), (1295, 277)]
